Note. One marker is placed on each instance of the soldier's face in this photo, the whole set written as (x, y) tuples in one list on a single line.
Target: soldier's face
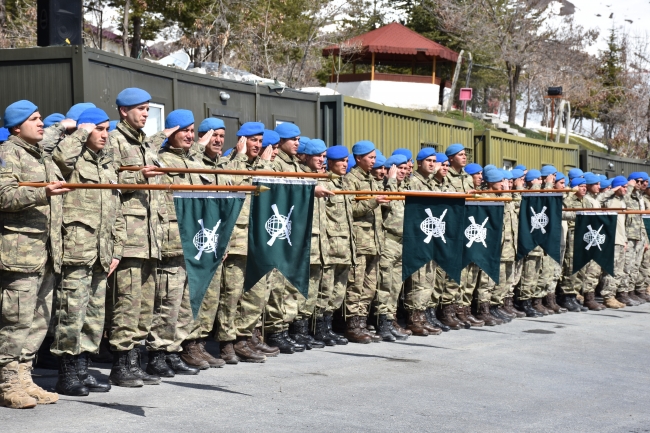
[(378, 173), (560, 184), (459, 160), (215, 145), (136, 116), (98, 137), (31, 130), (409, 167), (290, 145), (338, 166), (498, 186), (443, 170), (315, 162), (582, 190), (402, 171), (183, 138), (477, 179), (276, 149), (640, 185), (253, 146), (594, 189), (427, 165), (365, 162)]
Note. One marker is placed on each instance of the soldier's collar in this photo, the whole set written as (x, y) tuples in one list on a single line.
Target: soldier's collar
[(453, 171), (129, 131), (34, 149), (287, 158), (360, 174)]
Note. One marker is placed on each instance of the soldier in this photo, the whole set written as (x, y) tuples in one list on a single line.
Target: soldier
[(94, 235), (552, 277), (134, 281), (409, 163), (214, 147), (362, 283), (271, 138), (31, 226), (518, 182), (476, 171), (637, 239), (379, 169)]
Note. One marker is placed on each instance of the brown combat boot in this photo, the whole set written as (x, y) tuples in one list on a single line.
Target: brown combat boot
[(461, 315), (415, 325), (33, 390), (192, 356), (611, 302), (632, 295), (12, 393), (207, 357), (400, 329), (485, 316), (228, 353), (557, 308), (509, 306), (642, 294), (472, 319), (624, 299), (363, 323), (257, 343), (355, 333), (537, 306), (591, 303), (433, 330), (447, 317), (245, 353)]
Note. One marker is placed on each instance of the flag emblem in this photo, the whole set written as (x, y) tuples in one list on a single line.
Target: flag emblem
[(594, 238), (475, 232), (278, 226), (433, 227), (206, 240), (538, 220)]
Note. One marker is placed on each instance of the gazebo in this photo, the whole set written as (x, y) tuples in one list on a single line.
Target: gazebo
[(392, 65)]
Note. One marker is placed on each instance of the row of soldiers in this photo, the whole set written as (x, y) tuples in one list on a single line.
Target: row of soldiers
[(109, 263)]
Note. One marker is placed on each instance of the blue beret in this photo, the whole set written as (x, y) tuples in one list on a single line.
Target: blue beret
[(487, 167), (644, 175), (548, 170), (181, 118), (559, 176), (228, 152), (270, 137), (93, 115), (591, 179), (635, 175), (577, 181), (473, 168), (521, 167), (494, 176), (112, 125), (287, 130), (337, 152), (378, 153), (507, 174), (18, 112), (425, 153), (211, 123), (351, 163), (379, 162), (586, 173), (251, 128), (303, 140), (4, 134), (407, 153), (52, 119), (602, 177), (315, 146), (75, 111), (532, 175), (395, 159), (132, 96), (517, 173), (605, 183), (363, 147), (575, 172), (441, 157), (619, 181), (454, 149), (302, 144)]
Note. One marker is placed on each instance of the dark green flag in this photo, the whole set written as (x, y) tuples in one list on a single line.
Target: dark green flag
[(646, 224), (279, 231), (540, 223), (205, 224), (594, 239), (483, 231), (433, 231)]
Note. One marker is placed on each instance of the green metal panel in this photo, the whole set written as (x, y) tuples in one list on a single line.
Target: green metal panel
[(610, 165)]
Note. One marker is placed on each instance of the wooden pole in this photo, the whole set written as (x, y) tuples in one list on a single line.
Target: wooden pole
[(372, 68), (433, 75), (520, 191), (258, 173), (405, 194), (598, 209), (157, 187), (401, 197)]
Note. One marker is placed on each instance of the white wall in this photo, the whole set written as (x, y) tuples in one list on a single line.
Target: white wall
[(392, 93)]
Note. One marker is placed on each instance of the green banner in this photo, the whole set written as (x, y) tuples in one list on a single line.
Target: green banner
[(433, 231), (483, 232), (279, 231), (594, 239), (205, 224), (540, 223), (646, 224)]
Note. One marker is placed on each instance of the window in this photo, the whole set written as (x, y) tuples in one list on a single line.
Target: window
[(508, 164), (156, 121)]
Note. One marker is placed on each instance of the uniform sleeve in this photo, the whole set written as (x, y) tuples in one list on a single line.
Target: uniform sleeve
[(155, 141), (119, 237), (125, 177), (14, 198), (66, 153), (360, 207), (51, 137), (568, 216)]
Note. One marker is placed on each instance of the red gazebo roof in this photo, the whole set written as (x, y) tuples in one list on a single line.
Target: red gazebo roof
[(396, 39)]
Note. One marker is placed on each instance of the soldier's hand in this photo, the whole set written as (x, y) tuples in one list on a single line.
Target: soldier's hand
[(56, 188), (203, 141), (520, 182), (382, 199), (149, 171), (69, 124), (632, 182), (647, 246), (113, 266), (88, 127), (168, 132), (241, 146), (321, 191), (267, 154), (392, 172), (536, 181), (224, 257)]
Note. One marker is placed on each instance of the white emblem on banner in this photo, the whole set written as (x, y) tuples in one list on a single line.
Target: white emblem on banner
[(475, 232), (538, 220), (279, 226), (594, 238), (433, 227), (206, 240)]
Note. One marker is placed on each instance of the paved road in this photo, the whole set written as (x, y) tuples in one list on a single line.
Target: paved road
[(577, 372)]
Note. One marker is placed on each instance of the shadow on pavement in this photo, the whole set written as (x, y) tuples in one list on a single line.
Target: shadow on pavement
[(204, 387), (128, 408)]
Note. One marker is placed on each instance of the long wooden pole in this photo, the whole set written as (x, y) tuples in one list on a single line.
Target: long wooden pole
[(125, 186), (520, 191), (260, 173), (597, 209), (635, 212), (405, 194), (401, 197)]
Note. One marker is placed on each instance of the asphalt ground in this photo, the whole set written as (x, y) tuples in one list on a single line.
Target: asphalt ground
[(575, 372)]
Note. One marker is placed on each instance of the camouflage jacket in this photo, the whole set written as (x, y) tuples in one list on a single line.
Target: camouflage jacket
[(212, 163), (460, 181), (340, 223), (31, 222), (441, 185), (420, 183), (393, 211), (367, 216), (319, 242), (144, 211), (93, 225), (286, 163), (616, 201), (510, 229), (52, 136), (634, 228), (572, 201)]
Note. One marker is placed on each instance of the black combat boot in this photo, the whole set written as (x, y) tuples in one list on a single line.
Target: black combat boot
[(69, 383), (299, 331), (321, 333), (276, 339), (121, 374), (496, 312), (297, 347), (86, 378), (397, 331), (527, 307), (157, 365), (135, 366), (178, 365), (383, 329), (570, 303), (340, 340), (430, 314)]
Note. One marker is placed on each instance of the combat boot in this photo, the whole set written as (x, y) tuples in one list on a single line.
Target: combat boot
[(69, 383), (297, 347), (509, 306), (470, 317), (461, 316), (321, 333), (414, 323), (12, 393), (484, 315), (299, 331), (426, 325), (398, 331), (157, 365), (354, 333), (179, 366), (591, 303), (192, 356), (642, 294), (257, 343), (340, 340), (537, 305), (207, 357), (570, 303), (135, 366), (121, 374), (636, 298), (276, 339), (527, 307), (33, 390), (611, 302), (503, 313), (383, 329), (552, 302), (363, 322), (448, 318), (430, 314), (624, 299), (228, 353), (496, 312), (89, 381), (245, 353)]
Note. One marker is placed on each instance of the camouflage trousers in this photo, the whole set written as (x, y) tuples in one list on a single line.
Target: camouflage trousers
[(79, 310), (282, 306), (532, 268), (172, 313), (516, 278), (438, 286), (418, 287), (633, 258), (362, 285), (134, 291), (208, 311), (390, 277), (612, 283), (463, 292), (306, 306), (332, 288), (548, 277), (253, 302), (571, 282), (26, 310), (498, 292), (643, 281)]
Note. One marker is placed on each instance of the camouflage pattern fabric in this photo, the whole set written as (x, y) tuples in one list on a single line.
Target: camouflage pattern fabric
[(612, 283), (232, 289), (333, 286), (633, 258), (532, 266), (253, 302), (420, 286), (362, 285), (208, 311), (390, 276)]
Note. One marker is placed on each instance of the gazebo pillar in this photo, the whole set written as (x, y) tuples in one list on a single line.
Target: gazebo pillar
[(372, 68), (433, 75)]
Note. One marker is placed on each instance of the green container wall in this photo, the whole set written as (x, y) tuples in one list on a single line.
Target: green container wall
[(610, 165)]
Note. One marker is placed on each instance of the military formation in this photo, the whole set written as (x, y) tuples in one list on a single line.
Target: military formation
[(88, 273)]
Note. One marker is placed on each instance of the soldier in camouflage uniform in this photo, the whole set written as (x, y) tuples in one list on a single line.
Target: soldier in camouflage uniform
[(643, 283), (215, 131), (94, 235), (31, 220), (637, 239)]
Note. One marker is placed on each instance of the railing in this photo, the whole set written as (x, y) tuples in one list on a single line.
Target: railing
[(380, 76)]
